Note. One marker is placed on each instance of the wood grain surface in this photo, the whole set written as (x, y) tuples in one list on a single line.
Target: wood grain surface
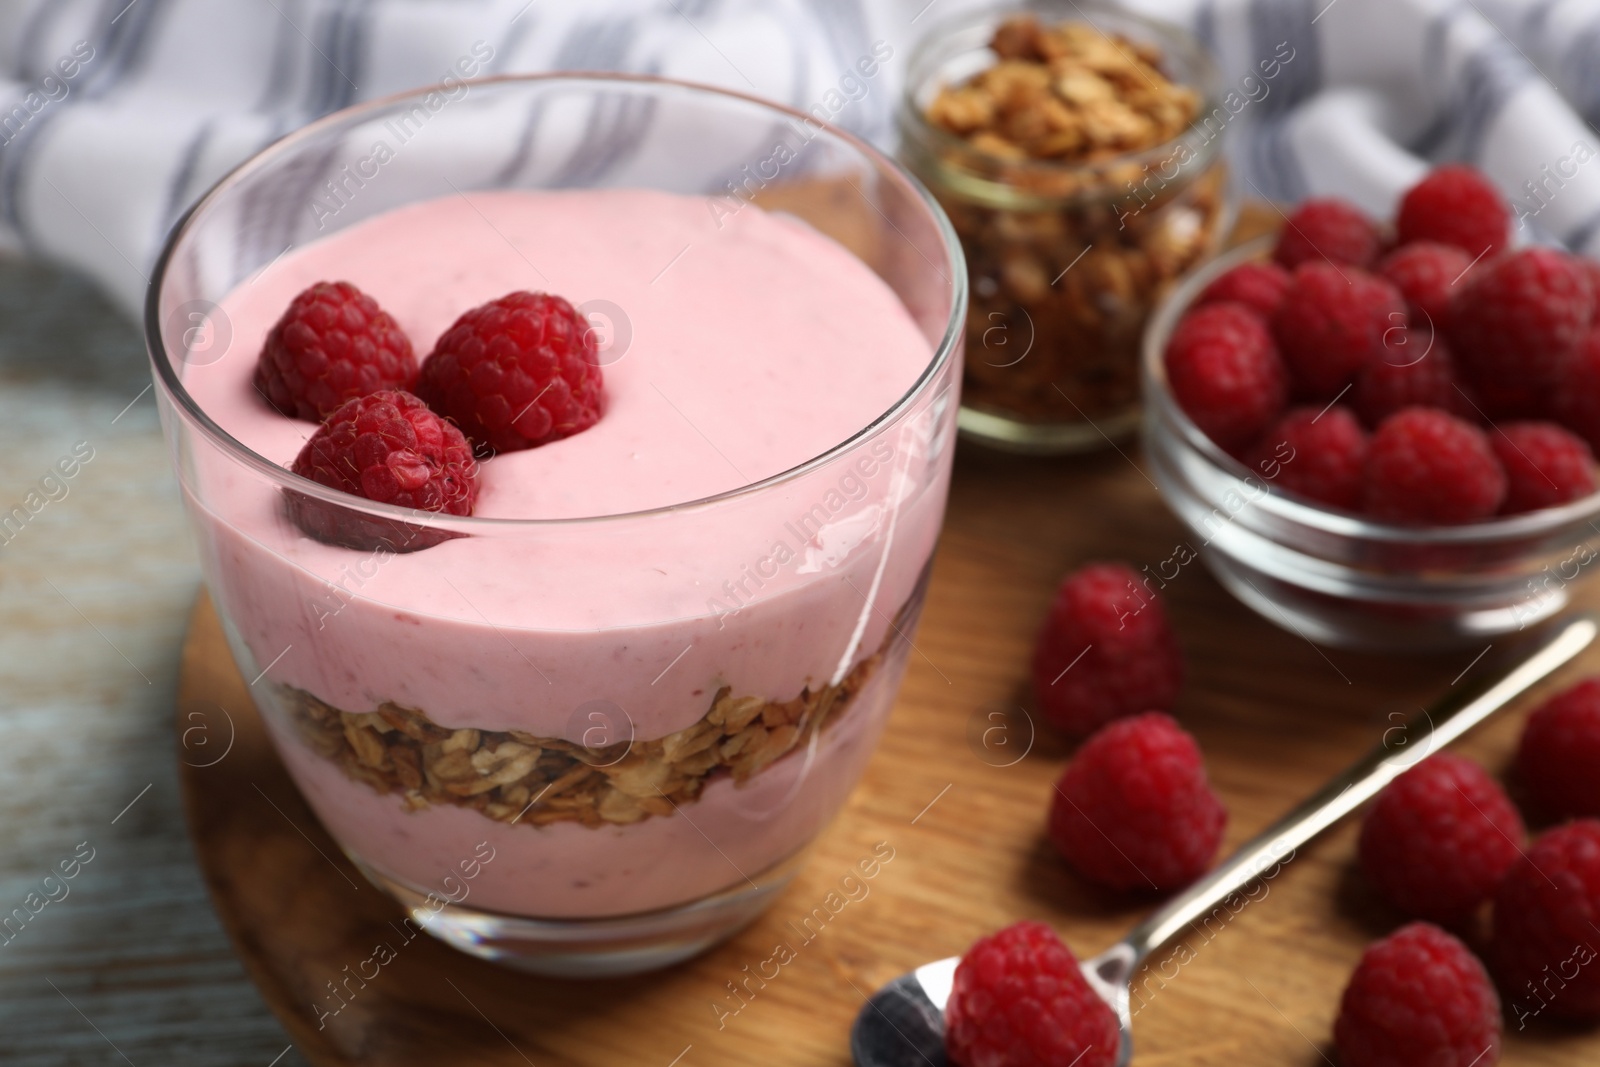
[(128, 963), (1274, 714)]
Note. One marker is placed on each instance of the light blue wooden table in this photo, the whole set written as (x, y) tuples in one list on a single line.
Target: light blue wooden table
[(123, 963)]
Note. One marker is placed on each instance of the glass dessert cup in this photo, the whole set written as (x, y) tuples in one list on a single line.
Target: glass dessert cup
[(581, 746), (1339, 578), (1067, 260)]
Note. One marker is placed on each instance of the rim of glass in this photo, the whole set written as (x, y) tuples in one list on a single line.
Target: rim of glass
[(168, 377), (1168, 34), (1280, 505)]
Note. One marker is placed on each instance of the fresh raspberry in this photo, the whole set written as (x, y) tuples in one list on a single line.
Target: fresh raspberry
[(1591, 270), (1316, 454), (1106, 650), (1418, 997), (1455, 205), (1559, 758), (1416, 370), (1510, 400), (1518, 319), (1019, 1000), (389, 448), (1576, 398), (1133, 809), (1332, 323), (1258, 285), (1225, 373), (1439, 838), (1544, 464), (333, 344), (1546, 912), (1427, 274), (517, 372), (1428, 468), (1326, 228)]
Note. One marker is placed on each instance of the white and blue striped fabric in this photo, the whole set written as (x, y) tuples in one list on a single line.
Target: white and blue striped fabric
[(115, 114)]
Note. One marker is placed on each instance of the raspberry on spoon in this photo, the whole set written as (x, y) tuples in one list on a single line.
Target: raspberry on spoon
[(1019, 1000)]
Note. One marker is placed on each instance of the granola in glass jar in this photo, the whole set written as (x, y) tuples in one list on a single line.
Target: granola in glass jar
[(1079, 164)]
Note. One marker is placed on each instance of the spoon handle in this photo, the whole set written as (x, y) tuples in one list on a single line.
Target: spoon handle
[(1453, 715)]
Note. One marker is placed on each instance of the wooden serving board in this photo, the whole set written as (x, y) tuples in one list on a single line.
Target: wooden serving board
[(1275, 716)]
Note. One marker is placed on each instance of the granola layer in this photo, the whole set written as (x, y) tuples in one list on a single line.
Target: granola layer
[(514, 776)]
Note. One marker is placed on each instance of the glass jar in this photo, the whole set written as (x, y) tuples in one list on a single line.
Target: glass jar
[(1066, 259)]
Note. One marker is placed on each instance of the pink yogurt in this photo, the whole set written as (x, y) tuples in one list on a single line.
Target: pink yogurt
[(757, 344)]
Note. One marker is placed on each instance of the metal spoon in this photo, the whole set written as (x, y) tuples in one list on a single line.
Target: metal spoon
[(902, 1025)]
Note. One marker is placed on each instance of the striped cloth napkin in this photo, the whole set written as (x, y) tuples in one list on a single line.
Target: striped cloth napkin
[(116, 114)]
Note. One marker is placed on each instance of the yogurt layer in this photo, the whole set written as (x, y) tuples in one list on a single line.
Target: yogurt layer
[(741, 347)]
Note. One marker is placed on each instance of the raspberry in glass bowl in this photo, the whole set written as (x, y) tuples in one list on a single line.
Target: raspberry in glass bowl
[(1411, 487)]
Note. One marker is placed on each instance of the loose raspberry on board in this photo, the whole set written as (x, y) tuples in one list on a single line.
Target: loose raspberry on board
[(1106, 650), (1419, 996), (1439, 838), (1134, 810)]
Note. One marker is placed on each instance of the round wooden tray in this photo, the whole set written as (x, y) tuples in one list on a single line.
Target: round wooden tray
[(1275, 715)]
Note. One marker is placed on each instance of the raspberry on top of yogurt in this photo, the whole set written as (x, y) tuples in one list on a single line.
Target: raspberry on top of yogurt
[(387, 447), (515, 373), (511, 374), (334, 343)]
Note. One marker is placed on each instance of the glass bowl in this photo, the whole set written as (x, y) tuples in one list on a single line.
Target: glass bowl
[(590, 745), (1336, 577)]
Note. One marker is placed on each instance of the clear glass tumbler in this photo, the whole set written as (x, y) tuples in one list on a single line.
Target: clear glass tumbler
[(573, 795)]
